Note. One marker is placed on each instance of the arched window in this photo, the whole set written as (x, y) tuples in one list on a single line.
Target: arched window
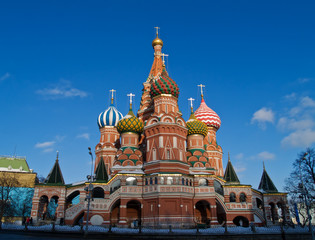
[(203, 182), (155, 180), (183, 181), (146, 181), (151, 181), (162, 180), (169, 181), (232, 197), (242, 197), (218, 187), (131, 181), (98, 192), (115, 186)]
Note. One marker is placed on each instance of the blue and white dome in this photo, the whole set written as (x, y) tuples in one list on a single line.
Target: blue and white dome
[(109, 117)]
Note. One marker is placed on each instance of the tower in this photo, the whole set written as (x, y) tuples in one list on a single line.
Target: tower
[(109, 141), (213, 122)]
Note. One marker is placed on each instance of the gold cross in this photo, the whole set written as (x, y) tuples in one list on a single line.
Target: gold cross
[(157, 31)]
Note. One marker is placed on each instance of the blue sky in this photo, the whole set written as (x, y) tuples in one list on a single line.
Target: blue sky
[(59, 59)]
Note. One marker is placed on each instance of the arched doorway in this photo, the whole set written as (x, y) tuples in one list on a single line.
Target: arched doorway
[(274, 214), (241, 221), (221, 215), (79, 219), (115, 213), (73, 199), (134, 213), (52, 207), (203, 212), (42, 207)]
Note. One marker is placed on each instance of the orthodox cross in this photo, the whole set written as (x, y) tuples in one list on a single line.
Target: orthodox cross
[(131, 95), (191, 102), (201, 86), (163, 55), (157, 31), (112, 92)]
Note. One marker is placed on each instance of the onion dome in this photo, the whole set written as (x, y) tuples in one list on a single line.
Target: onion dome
[(195, 126), (164, 85), (109, 117), (157, 41), (130, 123), (207, 115)]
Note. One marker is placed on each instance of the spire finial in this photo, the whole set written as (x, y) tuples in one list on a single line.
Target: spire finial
[(201, 87), (264, 165), (130, 95), (112, 97), (229, 156), (57, 158), (157, 31), (191, 103)]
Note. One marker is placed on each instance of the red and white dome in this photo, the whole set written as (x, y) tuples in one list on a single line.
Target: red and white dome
[(207, 115)]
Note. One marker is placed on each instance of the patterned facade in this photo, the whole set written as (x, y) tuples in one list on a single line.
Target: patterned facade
[(162, 170)]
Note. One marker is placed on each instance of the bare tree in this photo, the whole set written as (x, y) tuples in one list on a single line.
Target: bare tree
[(301, 184), (8, 184)]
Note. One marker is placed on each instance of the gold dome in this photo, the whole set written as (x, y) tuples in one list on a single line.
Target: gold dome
[(157, 41)]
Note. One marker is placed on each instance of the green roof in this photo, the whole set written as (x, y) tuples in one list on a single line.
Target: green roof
[(230, 175), (101, 173), (266, 183), (55, 175), (15, 163)]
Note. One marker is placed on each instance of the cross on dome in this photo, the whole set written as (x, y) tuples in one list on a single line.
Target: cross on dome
[(157, 31), (130, 95), (201, 88), (163, 55), (112, 98), (191, 102)]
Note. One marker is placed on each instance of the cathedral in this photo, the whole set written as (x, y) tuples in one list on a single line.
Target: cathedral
[(154, 168)]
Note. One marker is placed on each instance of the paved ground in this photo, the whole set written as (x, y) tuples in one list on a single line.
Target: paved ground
[(12, 236)]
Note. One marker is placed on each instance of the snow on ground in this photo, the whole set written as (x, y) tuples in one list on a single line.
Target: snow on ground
[(213, 230)]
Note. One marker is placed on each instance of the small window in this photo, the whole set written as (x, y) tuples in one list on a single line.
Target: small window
[(232, 197), (151, 181), (203, 182), (169, 181), (131, 181), (155, 180), (242, 197)]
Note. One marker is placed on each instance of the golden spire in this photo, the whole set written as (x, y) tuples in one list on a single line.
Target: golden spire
[(157, 41)]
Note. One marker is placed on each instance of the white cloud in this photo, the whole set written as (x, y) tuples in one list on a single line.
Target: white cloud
[(304, 80), (84, 135), (44, 144), (239, 156), (299, 138), (307, 102), (239, 169), (48, 150), (262, 116), (266, 155), (285, 123), (62, 90), (291, 96), (5, 76)]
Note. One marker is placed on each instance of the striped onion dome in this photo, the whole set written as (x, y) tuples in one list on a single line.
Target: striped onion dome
[(109, 117), (195, 126), (130, 123), (164, 85), (207, 115)]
